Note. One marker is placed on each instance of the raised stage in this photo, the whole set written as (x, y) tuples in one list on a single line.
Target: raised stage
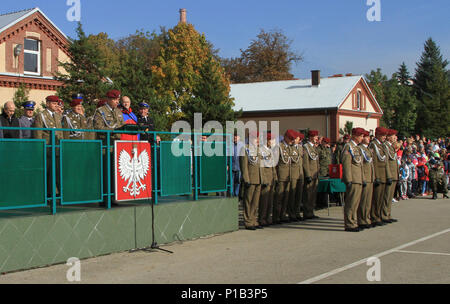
[(31, 238)]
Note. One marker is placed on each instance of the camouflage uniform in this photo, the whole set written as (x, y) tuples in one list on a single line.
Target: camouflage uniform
[(324, 160), (438, 180)]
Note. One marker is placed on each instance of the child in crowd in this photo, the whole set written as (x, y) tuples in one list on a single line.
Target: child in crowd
[(422, 175), (404, 174)]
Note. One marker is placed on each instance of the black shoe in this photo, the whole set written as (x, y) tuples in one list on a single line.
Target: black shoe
[(393, 220), (250, 228), (387, 221), (445, 196), (259, 227), (352, 229), (378, 224), (434, 196), (314, 217), (300, 219), (365, 227), (285, 221)]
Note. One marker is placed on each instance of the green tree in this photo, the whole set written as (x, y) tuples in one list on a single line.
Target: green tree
[(377, 82), (269, 57), (210, 95), (20, 96), (433, 92), (347, 128), (85, 72)]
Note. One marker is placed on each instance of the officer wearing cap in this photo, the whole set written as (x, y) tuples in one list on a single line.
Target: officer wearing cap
[(311, 171), (365, 204), (75, 119), (145, 121), (324, 157), (394, 172), (109, 117), (27, 119), (340, 147), (298, 201), (352, 159), (49, 119)]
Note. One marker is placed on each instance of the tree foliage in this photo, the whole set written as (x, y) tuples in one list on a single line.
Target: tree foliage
[(269, 57)]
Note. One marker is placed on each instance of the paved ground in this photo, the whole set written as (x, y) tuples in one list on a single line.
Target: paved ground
[(414, 250)]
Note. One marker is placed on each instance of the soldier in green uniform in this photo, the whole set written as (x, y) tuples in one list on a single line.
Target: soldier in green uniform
[(286, 175), (268, 181), (340, 147), (438, 180), (75, 120), (394, 172), (109, 117), (368, 177), (293, 206), (311, 172), (50, 119), (324, 157), (352, 159), (382, 175), (252, 171), (296, 208)]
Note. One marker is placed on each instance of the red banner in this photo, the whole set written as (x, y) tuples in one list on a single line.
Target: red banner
[(133, 170)]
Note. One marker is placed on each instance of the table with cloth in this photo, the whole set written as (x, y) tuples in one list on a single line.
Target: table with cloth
[(331, 186)]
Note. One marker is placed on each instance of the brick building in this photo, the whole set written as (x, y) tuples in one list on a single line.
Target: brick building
[(31, 46)]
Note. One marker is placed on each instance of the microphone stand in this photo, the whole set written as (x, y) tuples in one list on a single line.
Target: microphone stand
[(154, 246)]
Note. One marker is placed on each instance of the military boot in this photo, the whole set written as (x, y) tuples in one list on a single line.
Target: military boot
[(434, 196)]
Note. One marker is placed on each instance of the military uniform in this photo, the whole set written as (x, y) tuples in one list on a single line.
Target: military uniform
[(367, 191), (251, 169), (300, 185), (294, 203), (108, 119), (148, 124), (75, 121), (27, 122), (353, 177), (287, 175), (438, 180), (268, 181), (311, 171), (382, 177), (394, 172)]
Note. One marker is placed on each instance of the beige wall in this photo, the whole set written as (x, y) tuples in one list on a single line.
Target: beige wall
[(62, 57), (316, 122), (7, 94), (2, 57), (359, 122), (347, 105)]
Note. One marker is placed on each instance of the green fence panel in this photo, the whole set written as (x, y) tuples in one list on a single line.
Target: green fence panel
[(175, 170), (213, 169), (81, 172), (22, 174)]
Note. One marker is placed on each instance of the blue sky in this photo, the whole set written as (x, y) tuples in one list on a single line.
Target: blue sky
[(333, 35)]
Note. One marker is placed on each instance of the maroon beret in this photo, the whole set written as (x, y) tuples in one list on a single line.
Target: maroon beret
[(358, 131), (366, 133), (113, 94), (346, 136), (391, 132), (290, 134), (326, 140), (380, 131), (313, 133), (76, 102), (53, 98), (270, 136), (101, 103), (301, 135)]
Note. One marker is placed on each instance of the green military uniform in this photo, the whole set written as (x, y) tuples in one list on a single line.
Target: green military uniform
[(382, 175), (293, 206), (296, 208), (75, 121), (49, 120), (353, 177), (338, 152), (438, 180), (367, 191), (394, 172), (108, 119), (252, 172), (311, 172), (324, 160), (287, 174), (268, 181)]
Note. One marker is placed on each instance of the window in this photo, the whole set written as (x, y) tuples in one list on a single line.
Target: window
[(32, 57), (358, 100)]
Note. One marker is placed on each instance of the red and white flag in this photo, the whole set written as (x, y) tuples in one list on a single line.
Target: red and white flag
[(133, 170)]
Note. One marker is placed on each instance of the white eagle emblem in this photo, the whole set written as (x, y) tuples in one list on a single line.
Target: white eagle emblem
[(134, 170)]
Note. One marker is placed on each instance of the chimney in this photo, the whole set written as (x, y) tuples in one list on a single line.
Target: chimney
[(183, 16), (315, 78)]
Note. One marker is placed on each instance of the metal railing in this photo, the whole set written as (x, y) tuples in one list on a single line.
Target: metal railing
[(49, 152)]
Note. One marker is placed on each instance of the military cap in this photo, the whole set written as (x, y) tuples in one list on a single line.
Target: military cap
[(270, 136), (358, 131), (366, 133), (313, 133), (29, 105), (77, 99), (380, 131), (113, 94), (144, 105), (301, 135), (53, 98), (326, 140), (346, 137), (101, 103), (391, 132)]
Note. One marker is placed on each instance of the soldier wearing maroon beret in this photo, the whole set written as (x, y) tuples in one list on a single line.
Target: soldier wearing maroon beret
[(394, 171), (311, 171), (75, 119)]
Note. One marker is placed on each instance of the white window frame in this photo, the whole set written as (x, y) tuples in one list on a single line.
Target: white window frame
[(358, 100), (38, 53)]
